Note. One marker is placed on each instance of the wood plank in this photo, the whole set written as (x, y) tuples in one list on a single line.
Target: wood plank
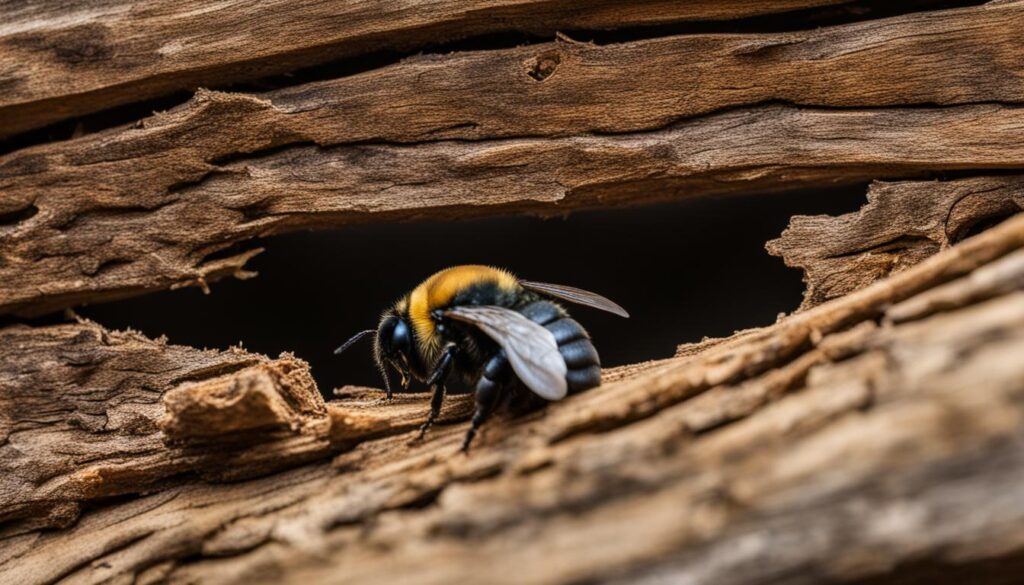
[(59, 60), (133, 172)]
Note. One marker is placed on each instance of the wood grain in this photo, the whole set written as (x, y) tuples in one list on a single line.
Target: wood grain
[(63, 201), (901, 224), (824, 446), (79, 245), (58, 61), (87, 414)]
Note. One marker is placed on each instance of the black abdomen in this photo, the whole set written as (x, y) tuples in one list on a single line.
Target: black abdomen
[(581, 359)]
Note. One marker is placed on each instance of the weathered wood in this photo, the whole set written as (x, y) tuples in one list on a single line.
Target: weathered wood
[(83, 245), (823, 447), (924, 58), (902, 224), (65, 198), (87, 414), (58, 61)]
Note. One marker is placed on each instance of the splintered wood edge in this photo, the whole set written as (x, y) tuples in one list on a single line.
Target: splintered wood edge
[(902, 224)]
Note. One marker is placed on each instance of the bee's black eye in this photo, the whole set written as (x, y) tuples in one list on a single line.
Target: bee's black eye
[(401, 337), (393, 337)]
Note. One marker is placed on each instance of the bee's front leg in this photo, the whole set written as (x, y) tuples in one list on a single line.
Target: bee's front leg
[(436, 381)]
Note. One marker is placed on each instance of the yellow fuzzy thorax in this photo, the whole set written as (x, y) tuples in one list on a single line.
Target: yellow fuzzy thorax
[(438, 290)]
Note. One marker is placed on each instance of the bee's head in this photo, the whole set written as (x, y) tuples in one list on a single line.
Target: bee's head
[(393, 346), (394, 338)]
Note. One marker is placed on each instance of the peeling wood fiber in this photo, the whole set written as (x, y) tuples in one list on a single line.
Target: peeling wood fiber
[(902, 224)]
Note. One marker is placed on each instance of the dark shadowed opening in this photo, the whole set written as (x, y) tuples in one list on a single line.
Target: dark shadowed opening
[(686, 270)]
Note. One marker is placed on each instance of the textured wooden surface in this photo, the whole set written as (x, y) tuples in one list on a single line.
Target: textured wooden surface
[(902, 224), (144, 207), (84, 245), (839, 443), (874, 436), (58, 61)]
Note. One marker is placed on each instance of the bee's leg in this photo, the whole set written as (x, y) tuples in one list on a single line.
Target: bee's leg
[(436, 381), (488, 393)]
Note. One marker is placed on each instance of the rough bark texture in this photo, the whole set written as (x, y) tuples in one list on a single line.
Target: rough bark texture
[(88, 414), (58, 61), (875, 436), (149, 206), (840, 443), (902, 224), (84, 245)]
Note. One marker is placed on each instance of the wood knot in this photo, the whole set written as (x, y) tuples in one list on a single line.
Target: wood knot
[(544, 65)]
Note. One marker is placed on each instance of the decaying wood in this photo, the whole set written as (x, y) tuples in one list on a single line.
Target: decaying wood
[(181, 186), (83, 245), (836, 444), (87, 414), (58, 61), (902, 224)]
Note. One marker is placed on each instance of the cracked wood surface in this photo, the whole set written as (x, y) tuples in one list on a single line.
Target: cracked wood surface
[(83, 246), (88, 414), (58, 61), (65, 203), (838, 444), (901, 224)]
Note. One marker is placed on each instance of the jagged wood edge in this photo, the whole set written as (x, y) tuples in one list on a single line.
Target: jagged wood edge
[(901, 224)]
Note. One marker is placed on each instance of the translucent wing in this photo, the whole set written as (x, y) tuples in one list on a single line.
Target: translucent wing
[(531, 349), (576, 295)]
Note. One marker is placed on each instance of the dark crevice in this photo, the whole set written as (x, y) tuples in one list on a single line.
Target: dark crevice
[(108, 265), (807, 19), (316, 288), (92, 123), (792, 21), (18, 215), (899, 243), (981, 224)]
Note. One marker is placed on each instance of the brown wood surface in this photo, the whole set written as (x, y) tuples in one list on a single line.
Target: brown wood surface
[(83, 245), (217, 170), (902, 224), (59, 60), (874, 436), (837, 444)]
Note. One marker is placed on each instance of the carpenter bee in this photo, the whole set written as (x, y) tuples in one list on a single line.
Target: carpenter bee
[(498, 333)]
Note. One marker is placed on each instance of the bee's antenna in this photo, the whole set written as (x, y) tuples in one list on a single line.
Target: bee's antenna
[(353, 339)]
